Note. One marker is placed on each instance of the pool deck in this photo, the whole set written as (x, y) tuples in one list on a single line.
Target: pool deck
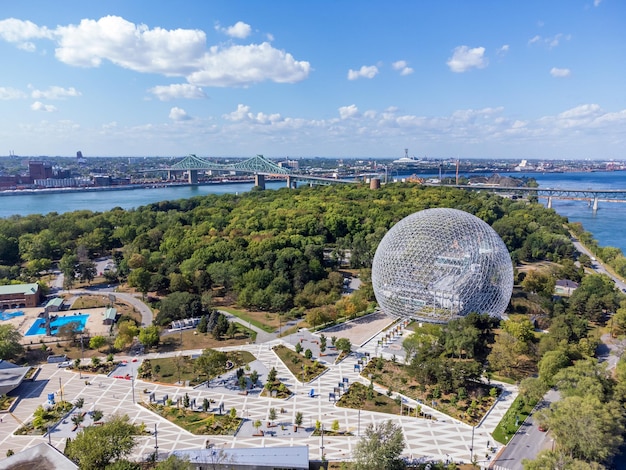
[(23, 323)]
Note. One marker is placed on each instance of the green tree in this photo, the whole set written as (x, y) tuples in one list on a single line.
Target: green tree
[(380, 447), (211, 363), (558, 460), (95, 447), (343, 344), (149, 336), (140, 278), (10, 346), (584, 427), (126, 332), (96, 342), (550, 364)]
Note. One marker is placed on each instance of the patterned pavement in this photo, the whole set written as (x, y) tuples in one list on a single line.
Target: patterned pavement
[(440, 439)]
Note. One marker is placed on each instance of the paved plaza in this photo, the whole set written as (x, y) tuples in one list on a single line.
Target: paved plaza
[(442, 438)]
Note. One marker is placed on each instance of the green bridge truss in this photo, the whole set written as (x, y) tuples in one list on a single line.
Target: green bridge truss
[(256, 165)]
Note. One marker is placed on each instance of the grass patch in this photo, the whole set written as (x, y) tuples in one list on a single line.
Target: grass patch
[(502, 378), (198, 422), (302, 368), (266, 321), (512, 420), (181, 368), (468, 405), (90, 301)]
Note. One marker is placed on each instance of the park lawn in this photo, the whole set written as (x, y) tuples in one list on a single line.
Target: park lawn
[(266, 321), (302, 368), (197, 422), (180, 368), (100, 301), (398, 377), (191, 339)]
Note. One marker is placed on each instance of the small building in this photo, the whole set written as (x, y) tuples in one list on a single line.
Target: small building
[(19, 296), (42, 457), (54, 305), (110, 315), (565, 287), (254, 458)]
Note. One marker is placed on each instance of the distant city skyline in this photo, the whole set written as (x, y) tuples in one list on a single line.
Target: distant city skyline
[(353, 79)]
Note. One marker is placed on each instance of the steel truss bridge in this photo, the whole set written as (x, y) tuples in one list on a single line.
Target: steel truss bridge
[(592, 196), (259, 166)]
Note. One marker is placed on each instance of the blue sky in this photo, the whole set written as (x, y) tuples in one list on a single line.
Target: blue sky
[(469, 79)]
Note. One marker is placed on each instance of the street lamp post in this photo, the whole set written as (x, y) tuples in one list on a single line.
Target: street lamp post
[(60, 389), (132, 384), (472, 447), (358, 426), (156, 441)]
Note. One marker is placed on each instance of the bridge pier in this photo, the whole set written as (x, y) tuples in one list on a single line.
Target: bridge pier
[(193, 176), (549, 202), (595, 203), (259, 181), (291, 182)]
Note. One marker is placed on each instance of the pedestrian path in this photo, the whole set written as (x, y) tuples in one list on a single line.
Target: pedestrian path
[(439, 439)]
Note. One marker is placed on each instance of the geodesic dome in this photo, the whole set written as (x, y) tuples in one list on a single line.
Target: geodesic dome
[(440, 264)]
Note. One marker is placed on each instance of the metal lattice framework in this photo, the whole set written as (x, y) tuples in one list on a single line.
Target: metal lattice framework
[(258, 165), (440, 264)]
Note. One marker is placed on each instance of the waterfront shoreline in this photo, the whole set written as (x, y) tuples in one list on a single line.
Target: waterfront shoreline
[(125, 187)]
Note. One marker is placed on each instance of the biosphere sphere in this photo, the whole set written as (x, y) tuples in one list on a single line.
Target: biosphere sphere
[(440, 264)]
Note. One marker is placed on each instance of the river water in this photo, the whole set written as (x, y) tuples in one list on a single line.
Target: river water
[(608, 225)]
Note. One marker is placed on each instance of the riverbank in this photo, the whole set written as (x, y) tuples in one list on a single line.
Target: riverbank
[(123, 187)]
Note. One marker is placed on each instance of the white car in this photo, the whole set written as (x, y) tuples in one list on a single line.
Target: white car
[(64, 364)]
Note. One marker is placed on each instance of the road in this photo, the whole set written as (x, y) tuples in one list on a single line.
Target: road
[(528, 441), (597, 265)]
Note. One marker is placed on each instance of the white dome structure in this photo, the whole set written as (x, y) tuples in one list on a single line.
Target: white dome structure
[(440, 264)]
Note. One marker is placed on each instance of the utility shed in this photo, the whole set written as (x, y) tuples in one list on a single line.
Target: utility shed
[(254, 458), (110, 314), (54, 305)]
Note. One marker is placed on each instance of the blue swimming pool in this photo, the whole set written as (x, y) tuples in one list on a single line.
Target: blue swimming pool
[(39, 328), (8, 315)]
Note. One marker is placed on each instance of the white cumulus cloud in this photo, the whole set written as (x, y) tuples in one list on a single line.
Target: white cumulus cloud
[(463, 59), (39, 106), (239, 30), (178, 114), (366, 71), (503, 50), (176, 52), (403, 67), (177, 91), (8, 93), (243, 114), (55, 93), (560, 73), (346, 112)]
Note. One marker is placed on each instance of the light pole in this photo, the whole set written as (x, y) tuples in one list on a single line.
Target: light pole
[(472, 447), (358, 426), (60, 389), (156, 442), (132, 385), (322, 446)]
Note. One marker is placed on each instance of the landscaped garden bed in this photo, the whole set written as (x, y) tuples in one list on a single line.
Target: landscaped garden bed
[(181, 368), (199, 422), (274, 388), (6, 402), (44, 419), (302, 368), (359, 396), (468, 403)]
